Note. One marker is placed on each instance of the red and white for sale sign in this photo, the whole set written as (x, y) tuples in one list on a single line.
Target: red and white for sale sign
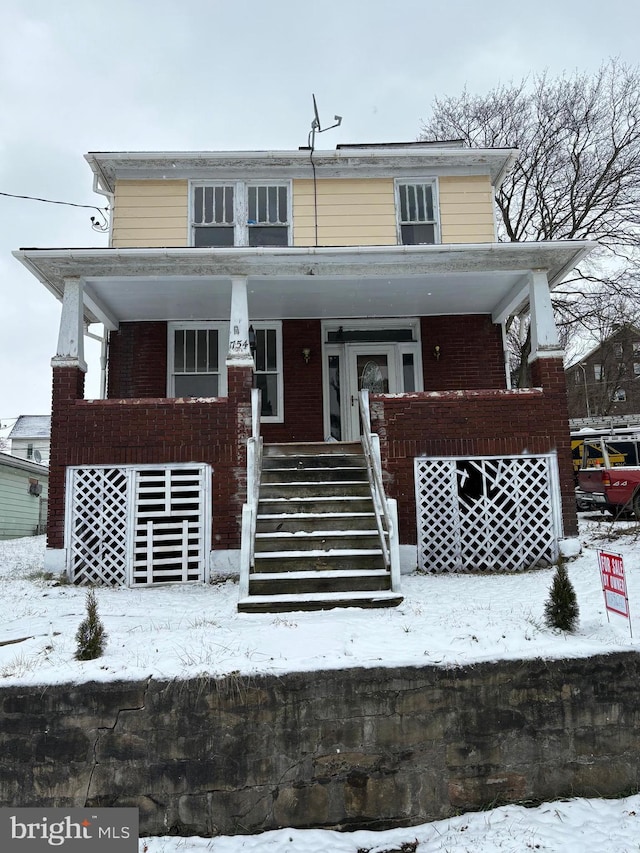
[(614, 585)]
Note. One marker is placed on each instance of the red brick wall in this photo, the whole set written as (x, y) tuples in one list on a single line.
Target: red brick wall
[(302, 384), (138, 361), (470, 353), (474, 423), (153, 430)]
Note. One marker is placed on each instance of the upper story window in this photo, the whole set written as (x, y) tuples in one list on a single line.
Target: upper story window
[(240, 214), (417, 212), (598, 372), (618, 350)]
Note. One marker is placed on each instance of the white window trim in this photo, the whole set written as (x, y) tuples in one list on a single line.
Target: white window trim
[(241, 207), (433, 181), (277, 325), (223, 346)]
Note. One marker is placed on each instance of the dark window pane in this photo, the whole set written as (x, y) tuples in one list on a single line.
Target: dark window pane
[(214, 236), (260, 356), (335, 417), (197, 204), (415, 235), (282, 192), (190, 351), (208, 205), (202, 350), (178, 347), (268, 235), (213, 349), (268, 384), (271, 349), (196, 385), (408, 373), (228, 204)]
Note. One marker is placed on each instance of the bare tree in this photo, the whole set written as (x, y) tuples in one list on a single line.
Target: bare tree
[(577, 177)]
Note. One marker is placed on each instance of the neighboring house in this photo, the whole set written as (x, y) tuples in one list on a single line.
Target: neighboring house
[(23, 497), (312, 276), (31, 437), (604, 386)]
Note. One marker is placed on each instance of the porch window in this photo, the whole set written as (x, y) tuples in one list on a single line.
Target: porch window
[(268, 370), (240, 214), (196, 360), (417, 213)]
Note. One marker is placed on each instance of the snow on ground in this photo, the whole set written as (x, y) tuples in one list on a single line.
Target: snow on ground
[(444, 620), (567, 826), (185, 631)]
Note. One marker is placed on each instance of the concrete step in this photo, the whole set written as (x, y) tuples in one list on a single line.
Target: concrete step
[(309, 521), (286, 583), (314, 448), (352, 559), (317, 601), (346, 488), (325, 460), (317, 540), (334, 474), (314, 504)]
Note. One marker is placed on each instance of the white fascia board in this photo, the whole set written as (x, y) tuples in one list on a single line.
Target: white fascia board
[(363, 162)]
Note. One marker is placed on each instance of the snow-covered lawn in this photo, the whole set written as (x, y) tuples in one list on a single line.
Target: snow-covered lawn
[(445, 620), (183, 631)]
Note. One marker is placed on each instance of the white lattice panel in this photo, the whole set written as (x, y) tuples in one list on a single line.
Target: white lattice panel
[(138, 524), (97, 525), (487, 513)]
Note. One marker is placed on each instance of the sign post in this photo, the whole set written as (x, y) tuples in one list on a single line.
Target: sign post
[(614, 585)]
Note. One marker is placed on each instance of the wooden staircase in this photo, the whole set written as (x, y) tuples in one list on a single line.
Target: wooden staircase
[(317, 545)]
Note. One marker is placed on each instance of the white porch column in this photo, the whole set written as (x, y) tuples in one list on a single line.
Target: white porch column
[(544, 334), (70, 352), (239, 354)]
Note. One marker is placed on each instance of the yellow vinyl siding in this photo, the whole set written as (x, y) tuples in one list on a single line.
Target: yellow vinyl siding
[(351, 212), (466, 209), (151, 214)]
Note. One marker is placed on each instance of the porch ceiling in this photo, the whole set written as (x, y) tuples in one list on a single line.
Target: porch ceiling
[(382, 281)]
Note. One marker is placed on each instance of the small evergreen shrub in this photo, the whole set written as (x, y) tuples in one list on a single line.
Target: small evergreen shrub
[(90, 636), (561, 608)]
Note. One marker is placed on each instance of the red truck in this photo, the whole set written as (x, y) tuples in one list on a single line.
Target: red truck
[(609, 478)]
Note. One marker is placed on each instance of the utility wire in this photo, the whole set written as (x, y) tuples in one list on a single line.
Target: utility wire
[(52, 201), (96, 224)]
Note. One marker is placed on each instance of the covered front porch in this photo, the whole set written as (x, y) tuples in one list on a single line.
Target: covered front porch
[(420, 328)]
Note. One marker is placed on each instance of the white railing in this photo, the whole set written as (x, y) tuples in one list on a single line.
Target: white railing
[(250, 508), (386, 509)]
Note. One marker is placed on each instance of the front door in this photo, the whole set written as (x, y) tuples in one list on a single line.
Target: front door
[(383, 357), (371, 367)]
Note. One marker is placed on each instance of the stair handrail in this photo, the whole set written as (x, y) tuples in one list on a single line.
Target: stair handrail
[(385, 508), (250, 508)]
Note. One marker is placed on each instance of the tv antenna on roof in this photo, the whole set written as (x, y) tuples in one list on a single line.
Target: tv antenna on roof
[(316, 127)]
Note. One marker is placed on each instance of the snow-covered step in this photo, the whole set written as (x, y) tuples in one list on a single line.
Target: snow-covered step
[(318, 560), (320, 540), (308, 521), (315, 474), (314, 504), (278, 583), (317, 601), (306, 488)]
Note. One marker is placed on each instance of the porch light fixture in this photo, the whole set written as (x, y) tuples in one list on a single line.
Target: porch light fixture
[(436, 352), (306, 354), (252, 340)]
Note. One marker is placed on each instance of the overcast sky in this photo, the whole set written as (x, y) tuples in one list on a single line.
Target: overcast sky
[(78, 76)]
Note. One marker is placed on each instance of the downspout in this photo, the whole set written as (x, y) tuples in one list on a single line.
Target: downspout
[(98, 182)]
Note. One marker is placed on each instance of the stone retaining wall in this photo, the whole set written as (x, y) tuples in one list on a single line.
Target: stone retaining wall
[(362, 748)]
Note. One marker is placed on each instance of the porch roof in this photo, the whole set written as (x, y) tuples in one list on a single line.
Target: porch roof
[(294, 282)]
